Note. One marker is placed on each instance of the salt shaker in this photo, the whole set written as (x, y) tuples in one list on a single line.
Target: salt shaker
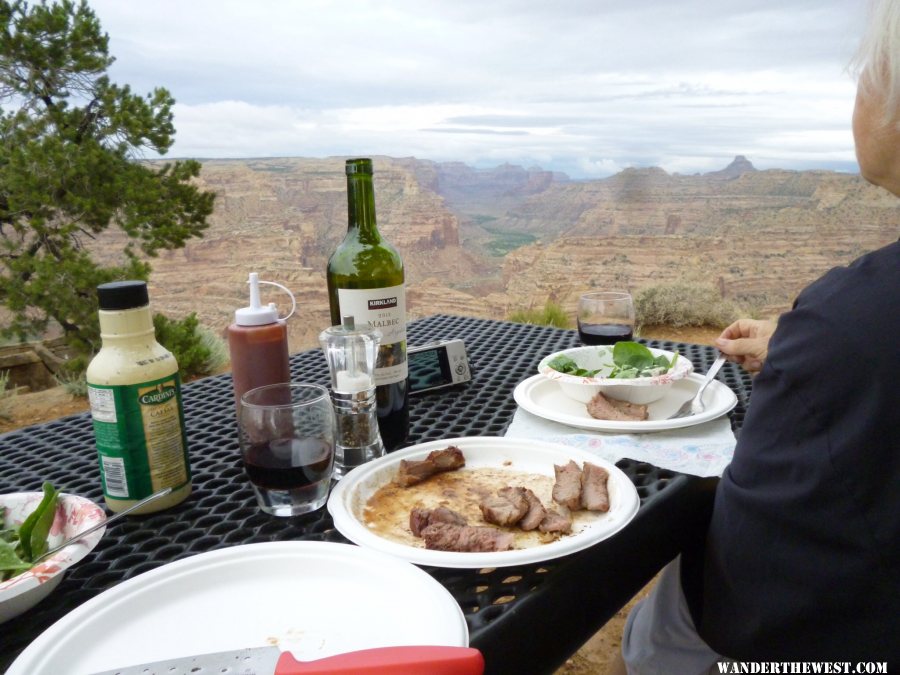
[(351, 352)]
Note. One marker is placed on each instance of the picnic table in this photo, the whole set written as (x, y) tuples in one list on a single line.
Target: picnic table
[(524, 619)]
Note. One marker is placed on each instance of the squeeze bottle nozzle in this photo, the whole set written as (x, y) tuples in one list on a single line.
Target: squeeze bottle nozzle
[(257, 314)]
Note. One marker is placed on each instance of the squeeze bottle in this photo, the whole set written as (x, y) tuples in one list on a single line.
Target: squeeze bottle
[(135, 395), (258, 342)]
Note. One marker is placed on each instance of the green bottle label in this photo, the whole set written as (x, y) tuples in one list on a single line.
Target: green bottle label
[(140, 436)]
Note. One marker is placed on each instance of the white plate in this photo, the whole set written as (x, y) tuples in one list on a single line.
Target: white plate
[(314, 599), (544, 398), (348, 500)]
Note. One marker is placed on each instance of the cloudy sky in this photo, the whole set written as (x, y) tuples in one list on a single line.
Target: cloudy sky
[(588, 87)]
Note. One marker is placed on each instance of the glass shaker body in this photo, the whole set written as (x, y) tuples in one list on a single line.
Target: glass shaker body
[(351, 354)]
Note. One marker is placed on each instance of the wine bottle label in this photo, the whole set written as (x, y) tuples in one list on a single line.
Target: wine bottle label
[(140, 437), (384, 309)]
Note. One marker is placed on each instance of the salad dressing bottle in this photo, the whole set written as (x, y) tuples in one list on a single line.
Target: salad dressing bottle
[(135, 397)]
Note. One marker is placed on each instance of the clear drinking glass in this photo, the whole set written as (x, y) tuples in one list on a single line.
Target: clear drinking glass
[(286, 436), (605, 317)]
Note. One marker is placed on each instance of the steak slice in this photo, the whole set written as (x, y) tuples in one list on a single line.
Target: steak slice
[(636, 410), (602, 408), (414, 471), (536, 512), (447, 537), (567, 488), (556, 523), (420, 518), (506, 508), (594, 492)]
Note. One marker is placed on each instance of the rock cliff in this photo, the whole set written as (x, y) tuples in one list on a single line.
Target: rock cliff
[(759, 236)]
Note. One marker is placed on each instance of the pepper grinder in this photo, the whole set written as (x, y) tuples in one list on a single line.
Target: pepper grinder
[(351, 352)]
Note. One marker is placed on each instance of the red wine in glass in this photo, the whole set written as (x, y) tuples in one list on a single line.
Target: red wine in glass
[(604, 333), (288, 464)]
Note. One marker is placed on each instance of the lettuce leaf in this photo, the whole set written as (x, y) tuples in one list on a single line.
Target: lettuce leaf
[(33, 532)]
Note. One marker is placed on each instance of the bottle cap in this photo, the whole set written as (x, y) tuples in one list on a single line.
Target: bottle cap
[(257, 314), (118, 295), (361, 165)]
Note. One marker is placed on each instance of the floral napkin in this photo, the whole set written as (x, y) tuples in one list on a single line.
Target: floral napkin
[(701, 450)]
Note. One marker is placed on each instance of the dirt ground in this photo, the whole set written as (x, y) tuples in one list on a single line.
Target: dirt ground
[(592, 659)]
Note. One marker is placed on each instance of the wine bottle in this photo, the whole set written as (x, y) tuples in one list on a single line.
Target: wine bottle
[(366, 281)]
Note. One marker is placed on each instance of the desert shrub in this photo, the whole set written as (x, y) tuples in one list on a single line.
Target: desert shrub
[(680, 304), (552, 314), (184, 338), (5, 396), (219, 356), (72, 381)]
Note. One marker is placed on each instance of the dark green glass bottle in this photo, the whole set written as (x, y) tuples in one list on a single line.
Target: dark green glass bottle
[(366, 281)]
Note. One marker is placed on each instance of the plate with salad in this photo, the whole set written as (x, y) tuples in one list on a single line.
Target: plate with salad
[(30, 524), (544, 398)]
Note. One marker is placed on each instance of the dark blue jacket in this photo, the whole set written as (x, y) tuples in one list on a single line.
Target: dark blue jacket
[(802, 558)]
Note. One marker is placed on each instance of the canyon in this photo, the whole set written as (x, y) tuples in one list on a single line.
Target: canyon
[(488, 242)]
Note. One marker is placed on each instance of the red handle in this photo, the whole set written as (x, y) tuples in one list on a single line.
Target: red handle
[(413, 660)]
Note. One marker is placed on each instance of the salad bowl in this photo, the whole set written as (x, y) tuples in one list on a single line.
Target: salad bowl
[(73, 515), (626, 371)]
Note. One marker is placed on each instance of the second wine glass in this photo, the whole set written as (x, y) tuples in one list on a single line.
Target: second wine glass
[(605, 317)]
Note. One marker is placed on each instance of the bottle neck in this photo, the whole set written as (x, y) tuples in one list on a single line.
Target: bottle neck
[(361, 208), (126, 323)]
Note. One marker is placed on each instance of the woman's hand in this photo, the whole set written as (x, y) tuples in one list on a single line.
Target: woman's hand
[(746, 342)]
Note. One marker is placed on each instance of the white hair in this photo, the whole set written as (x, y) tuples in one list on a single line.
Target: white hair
[(877, 61)]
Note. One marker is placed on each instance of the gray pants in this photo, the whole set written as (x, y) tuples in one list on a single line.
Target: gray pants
[(659, 636)]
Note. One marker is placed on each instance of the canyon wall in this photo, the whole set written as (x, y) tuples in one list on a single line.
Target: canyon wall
[(758, 236)]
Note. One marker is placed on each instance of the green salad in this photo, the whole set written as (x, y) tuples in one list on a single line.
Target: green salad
[(629, 360), (19, 546)]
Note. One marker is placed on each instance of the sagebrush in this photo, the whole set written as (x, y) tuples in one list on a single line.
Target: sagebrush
[(680, 304), (552, 314), (5, 396)]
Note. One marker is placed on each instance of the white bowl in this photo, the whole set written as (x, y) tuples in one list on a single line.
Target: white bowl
[(73, 515), (640, 390)]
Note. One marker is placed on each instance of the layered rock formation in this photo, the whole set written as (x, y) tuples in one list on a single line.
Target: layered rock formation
[(759, 236)]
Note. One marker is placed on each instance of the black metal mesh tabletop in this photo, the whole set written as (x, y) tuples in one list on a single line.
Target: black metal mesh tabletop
[(525, 619)]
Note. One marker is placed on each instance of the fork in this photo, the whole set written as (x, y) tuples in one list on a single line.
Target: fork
[(695, 405)]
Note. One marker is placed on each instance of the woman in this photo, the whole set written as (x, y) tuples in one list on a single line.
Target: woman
[(802, 557)]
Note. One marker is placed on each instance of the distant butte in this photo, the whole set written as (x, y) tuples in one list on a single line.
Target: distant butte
[(739, 166)]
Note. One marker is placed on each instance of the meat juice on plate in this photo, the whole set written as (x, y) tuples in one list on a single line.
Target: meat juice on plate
[(289, 463), (604, 333)]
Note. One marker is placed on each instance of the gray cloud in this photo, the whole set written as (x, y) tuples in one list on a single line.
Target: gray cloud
[(587, 86)]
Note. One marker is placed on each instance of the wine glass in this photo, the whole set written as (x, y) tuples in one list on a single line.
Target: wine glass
[(605, 317), (286, 434)]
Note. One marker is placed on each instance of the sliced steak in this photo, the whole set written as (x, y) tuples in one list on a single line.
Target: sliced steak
[(636, 410), (556, 523), (594, 492), (420, 518), (567, 488), (602, 408), (536, 512), (413, 471), (506, 508), (447, 537)]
